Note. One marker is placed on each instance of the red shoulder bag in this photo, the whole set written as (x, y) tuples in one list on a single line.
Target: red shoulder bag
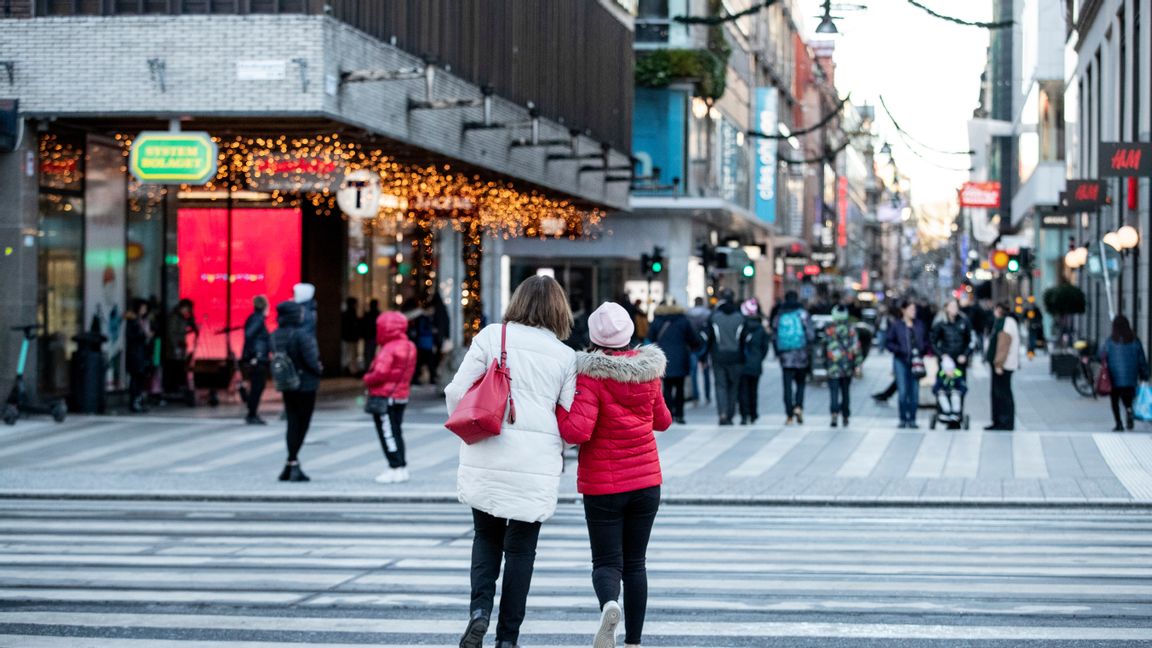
[(480, 414)]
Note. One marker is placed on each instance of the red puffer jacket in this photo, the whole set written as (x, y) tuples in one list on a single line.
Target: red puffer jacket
[(390, 375), (619, 404)]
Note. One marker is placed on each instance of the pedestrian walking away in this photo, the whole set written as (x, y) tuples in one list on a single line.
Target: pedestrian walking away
[(792, 333), (512, 480), (725, 328), (754, 346), (389, 380), (350, 337), (181, 323), (908, 342), (1004, 356), (1127, 366), (299, 345), (701, 369), (673, 333), (305, 295), (617, 408), (138, 356), (254, 358), (843, 358)]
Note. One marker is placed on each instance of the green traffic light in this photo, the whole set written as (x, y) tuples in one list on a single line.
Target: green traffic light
[(749, 270), (362, 268), (657, 267), (1013, 265)]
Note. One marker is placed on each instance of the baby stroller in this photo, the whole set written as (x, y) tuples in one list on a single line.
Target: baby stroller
[(950, 388)]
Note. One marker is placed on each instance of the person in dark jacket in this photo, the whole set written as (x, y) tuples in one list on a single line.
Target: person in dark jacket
[(368, 331), (350, 336), (255, 357), (754, 345), (138, 352), (907, 341), (180, 324), (724, 329), (673, 333), (952, 335), (305, 295), (792, 329), (1127, 364), (291, 337)]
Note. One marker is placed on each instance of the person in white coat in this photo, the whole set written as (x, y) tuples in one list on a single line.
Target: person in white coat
[(512, 481)]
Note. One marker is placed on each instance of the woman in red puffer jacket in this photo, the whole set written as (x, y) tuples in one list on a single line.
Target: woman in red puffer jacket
[(390, 377), (619, 404)]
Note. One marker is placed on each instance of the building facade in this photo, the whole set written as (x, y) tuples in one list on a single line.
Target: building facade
[(446, 107)]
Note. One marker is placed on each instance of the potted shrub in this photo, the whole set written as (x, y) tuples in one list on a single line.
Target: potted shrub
[(1062, 301)]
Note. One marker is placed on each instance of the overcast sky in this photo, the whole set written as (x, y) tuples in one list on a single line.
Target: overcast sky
[(928, 71)]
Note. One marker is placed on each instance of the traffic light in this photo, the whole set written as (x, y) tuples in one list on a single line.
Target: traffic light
[(652, 264), (362, 267), (749, 270), (1013, 264)]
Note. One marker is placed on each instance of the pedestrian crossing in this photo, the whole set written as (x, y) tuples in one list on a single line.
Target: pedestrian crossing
[(198, 575), (871, 460)]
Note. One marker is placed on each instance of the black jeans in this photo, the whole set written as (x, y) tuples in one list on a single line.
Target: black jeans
[(298, 406), (674, 396), (257, 380), (792, 400), (515, 541), (392, 440), (619, 527), (839, 392), (1003, 404), (1125, 394), (749, 397)]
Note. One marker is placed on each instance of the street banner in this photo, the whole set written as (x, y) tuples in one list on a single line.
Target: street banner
[(980, 194), (1084, 194), (1125, 159), (766, 162)]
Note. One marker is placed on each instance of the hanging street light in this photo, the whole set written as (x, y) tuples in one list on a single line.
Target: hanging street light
[(827, 26), (1127, 237), (1113, 240)]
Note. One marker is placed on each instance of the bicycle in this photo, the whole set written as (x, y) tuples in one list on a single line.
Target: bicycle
[(1084, 380)]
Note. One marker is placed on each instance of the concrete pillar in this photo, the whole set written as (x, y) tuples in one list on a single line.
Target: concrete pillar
[(18, 254), (448, 278)]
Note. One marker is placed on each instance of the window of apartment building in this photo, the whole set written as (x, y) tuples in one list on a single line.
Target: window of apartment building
[(652, 21)]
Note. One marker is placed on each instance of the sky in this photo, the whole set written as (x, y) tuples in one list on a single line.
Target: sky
[(928, 71)]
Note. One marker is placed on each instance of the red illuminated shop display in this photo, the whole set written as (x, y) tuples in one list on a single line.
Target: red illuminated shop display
[(842, 212), (980, 194), (265, 261)]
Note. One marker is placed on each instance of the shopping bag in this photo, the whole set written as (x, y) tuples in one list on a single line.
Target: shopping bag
[(1104, 379), (1142, 408)]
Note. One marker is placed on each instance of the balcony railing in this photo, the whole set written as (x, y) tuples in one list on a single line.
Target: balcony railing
[(169, 7)]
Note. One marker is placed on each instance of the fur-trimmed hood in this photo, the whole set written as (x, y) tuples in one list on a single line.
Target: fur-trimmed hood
[(669, 309), (645, 364)]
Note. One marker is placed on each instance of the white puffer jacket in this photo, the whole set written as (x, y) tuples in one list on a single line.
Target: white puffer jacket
[(516, 475)]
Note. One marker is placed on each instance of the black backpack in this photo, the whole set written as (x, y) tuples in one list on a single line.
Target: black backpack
[(284, 373)]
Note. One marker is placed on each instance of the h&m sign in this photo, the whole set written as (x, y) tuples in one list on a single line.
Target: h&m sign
[(1125, 159)]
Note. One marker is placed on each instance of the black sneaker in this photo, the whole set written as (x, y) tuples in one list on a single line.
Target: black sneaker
[(835, 421), (1131, 420), (286, 473), (475, 631), (255, 420), (295, 474)]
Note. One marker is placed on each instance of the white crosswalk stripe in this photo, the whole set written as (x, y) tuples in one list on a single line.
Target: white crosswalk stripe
[(204, 575)]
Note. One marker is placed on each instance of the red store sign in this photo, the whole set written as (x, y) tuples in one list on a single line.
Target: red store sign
[(1125, 159), (980, 194)]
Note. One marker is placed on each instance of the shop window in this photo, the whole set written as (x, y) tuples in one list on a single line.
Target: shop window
[(265, 259)]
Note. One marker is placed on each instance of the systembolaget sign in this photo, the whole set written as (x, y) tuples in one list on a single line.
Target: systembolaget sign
[(980, 194), (161, 157), (1125, 159)]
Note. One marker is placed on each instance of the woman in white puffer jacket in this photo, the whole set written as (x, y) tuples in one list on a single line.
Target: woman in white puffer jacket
[(511, 481)]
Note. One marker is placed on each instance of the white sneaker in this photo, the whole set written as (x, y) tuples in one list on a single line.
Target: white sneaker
[(386, 477), (402, 475), (609, 619)]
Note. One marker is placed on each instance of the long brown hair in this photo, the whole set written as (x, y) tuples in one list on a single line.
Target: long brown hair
[(1122, 332), (541, 302)]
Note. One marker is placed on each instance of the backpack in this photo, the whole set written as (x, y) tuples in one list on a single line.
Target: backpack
[(790, 335), (283, 370), (728, 330)]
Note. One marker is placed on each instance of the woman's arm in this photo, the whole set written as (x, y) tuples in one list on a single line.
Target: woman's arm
[(578, 422), (472, 368)]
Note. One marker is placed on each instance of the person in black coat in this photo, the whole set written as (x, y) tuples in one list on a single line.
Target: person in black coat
[(952, 335), (368, 332), (255, 357), (754, 344), (299, 343), (674, 334), (137, 360)]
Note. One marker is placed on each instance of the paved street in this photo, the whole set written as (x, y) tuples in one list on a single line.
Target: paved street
[(1060, 454), (91, 574)]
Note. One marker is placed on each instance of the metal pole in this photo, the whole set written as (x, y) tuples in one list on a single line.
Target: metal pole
[(1107, 281)]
